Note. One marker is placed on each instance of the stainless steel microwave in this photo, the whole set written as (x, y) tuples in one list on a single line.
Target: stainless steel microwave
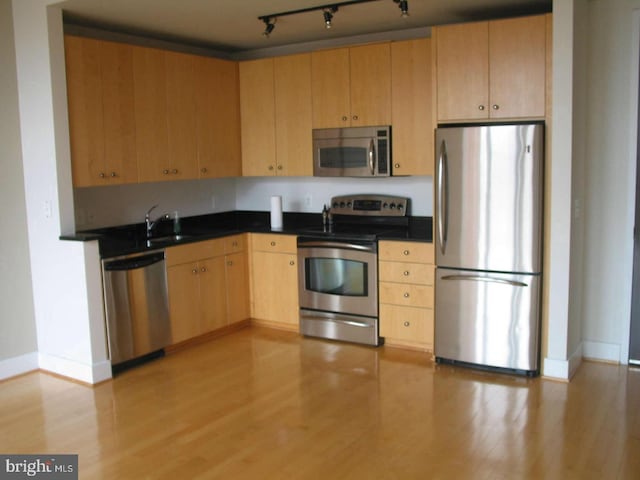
[(352, 152)]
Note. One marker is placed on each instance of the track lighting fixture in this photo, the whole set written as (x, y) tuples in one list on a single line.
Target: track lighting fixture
[(328, 16), (403, 5), (328, 11), (269, 26)]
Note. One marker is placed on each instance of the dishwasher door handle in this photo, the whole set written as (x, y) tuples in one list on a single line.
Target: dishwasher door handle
[(133, 263)]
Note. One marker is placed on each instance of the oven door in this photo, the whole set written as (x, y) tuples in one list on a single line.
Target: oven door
[(338, 277)]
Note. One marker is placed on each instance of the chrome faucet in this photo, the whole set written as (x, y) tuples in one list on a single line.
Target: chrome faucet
[(151, 224)]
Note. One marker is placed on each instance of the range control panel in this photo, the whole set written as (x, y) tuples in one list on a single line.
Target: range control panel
[(375, 205)]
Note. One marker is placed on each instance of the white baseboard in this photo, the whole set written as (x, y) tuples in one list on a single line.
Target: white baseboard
[(608, 352), (556, 369), (90, 374), (18, 365)]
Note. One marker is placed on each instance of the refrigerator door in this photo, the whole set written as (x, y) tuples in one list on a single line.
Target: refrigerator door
[(487, 318), (488, 204)]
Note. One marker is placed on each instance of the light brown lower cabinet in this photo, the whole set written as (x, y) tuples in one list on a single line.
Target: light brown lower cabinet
[(274, 275), (208, 287), (406, 273)]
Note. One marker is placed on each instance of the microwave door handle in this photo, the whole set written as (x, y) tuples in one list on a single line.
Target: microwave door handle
[(372, 157)]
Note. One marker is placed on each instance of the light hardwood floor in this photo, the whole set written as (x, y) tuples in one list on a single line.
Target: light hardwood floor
[(266, 404)]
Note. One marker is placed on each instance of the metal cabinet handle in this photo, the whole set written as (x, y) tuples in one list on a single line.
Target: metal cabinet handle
[(496, 106), (203, 170), (203, 269), (406, 252), (229, 263), (270, 167), (406, 324), (102, 175), (279, 167), (355, 117), (165, 171), (396, 165), (406, 294), (113, 175), (273, 244), (194, 271), (291, 262), (480, 107), (174, 171), (406, 273), (344, 118)]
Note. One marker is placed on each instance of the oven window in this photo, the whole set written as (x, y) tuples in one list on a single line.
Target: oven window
[(336, 276), (343, 157)]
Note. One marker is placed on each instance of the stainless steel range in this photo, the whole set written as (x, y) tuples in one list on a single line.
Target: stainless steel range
[(338, 267)]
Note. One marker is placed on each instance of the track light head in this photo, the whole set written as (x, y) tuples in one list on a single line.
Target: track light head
[(269, 26), (328, 15), (403, 5)]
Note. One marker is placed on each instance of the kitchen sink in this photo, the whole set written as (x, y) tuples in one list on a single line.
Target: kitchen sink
[(168, 239)]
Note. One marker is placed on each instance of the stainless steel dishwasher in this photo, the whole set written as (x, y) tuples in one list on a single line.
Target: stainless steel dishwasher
[(137, 306)]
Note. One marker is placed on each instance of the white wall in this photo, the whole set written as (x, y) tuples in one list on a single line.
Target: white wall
[(65, 279), (17, 321), (254, 193), (610, 177)]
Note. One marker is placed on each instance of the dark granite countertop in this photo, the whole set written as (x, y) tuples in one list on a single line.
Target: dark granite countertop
[(128, 239)]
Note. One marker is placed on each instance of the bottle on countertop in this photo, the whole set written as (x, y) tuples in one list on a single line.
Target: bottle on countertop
[(176, 223)]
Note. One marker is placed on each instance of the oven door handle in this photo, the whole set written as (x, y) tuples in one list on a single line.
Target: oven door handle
[(343, 246)]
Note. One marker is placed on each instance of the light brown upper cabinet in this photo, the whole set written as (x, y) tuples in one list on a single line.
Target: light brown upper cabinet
[(165, 112), (412, 107), (351, 86), (101, 119), (217, 118), (491, 70), (275, 112)]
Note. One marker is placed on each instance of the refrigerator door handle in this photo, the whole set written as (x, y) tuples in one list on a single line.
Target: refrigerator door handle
[(443, 191), (479, 278)]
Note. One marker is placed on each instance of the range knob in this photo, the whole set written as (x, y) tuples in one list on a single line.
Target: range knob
[(385, 205), (400, 206), (392, 206), (342, 204), (349, 204), (335, 205)]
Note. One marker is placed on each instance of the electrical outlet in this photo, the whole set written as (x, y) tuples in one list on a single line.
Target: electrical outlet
[(307, 201), (47, 208)]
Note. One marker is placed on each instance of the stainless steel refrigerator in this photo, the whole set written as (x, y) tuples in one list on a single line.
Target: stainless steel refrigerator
[(488, 240)]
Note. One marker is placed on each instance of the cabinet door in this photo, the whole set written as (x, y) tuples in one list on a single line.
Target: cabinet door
[(184, 301), (181, 117), (370, 69), (150, 86), (84, 95), (275, 287), (237, 287), (517, 53), (118, 111), (330, 81), (257, 118), (412, 107), (218, 118), (462, 62), (213, 293), (293, 115)]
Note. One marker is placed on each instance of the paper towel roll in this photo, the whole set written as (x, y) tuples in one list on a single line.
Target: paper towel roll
[(276, 212)]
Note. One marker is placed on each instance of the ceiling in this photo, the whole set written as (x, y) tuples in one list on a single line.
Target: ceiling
[(233, 25)]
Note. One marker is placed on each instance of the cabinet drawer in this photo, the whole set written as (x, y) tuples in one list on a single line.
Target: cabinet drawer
[(193, 252), (401, 272), (235, 243), (267, 242), (406, 294), (418, 252), (408, 324)]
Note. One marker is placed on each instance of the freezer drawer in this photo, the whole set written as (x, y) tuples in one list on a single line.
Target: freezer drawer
[(489, 319)]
